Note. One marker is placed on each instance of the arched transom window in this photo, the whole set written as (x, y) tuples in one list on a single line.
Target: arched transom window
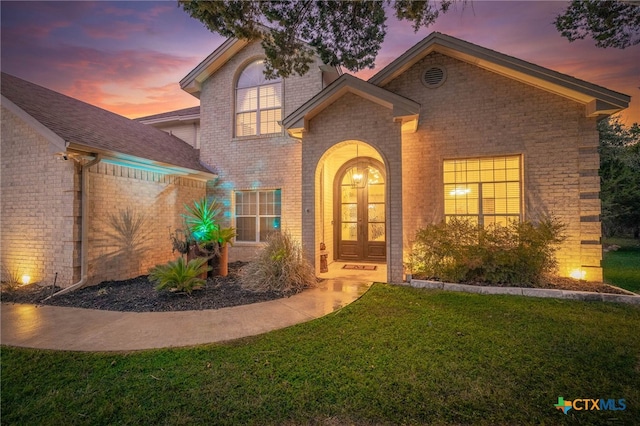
[(258, 102)]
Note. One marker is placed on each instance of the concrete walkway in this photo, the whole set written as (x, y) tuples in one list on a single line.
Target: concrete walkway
[(75, 329)]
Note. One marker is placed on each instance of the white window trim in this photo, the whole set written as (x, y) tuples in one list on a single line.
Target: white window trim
[(258, 110), (257, 242)]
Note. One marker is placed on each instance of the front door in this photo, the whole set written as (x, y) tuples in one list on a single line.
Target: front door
[(360, 231)]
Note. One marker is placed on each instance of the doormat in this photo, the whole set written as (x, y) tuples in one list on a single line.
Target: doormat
[(361, 267)]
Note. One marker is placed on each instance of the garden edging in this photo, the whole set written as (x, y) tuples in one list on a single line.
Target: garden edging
[(529, 292)]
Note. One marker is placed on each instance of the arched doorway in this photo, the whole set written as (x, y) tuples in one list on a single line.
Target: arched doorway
[(359, 211)]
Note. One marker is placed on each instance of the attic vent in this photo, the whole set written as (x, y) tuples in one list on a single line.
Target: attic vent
[(434, 77)]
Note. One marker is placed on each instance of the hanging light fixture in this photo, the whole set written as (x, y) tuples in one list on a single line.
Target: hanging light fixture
[(358, 173)]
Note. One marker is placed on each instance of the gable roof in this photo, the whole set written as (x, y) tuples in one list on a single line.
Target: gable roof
[(403, 109), (598, 100), (71, 124), (192, 82)]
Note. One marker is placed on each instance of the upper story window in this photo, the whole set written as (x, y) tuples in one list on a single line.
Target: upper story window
[(258, 102), (483, 190)]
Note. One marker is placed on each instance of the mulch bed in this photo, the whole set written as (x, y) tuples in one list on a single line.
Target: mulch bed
[(140, 295), (562, 283)]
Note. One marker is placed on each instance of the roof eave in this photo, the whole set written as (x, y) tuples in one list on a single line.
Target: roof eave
[(57, 143), (517, 69), (126, 160), (172, 119), (192, 82), (403, 109)]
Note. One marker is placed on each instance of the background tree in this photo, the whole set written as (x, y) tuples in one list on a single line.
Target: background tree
[(610, 23), (620, 177), (350, 33), (345, 33)]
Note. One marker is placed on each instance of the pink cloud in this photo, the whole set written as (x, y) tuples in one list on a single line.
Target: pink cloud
[(117, 30)]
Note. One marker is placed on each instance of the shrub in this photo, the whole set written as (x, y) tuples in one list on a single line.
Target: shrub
[(11, 277), (179, 275), (280, 266), (520, 253)]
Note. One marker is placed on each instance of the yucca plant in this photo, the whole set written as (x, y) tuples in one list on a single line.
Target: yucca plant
[(201, 219), (179, 275)]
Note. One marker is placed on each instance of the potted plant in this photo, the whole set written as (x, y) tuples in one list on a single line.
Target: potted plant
[(210, 240)]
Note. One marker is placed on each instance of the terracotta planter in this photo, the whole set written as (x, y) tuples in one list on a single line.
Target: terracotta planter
[(224, 260)]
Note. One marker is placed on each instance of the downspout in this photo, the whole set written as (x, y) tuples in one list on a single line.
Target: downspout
[(84, 237)]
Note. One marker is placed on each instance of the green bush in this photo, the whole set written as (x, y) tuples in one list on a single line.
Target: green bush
[(520, 253), (179, 275), (280, 266)]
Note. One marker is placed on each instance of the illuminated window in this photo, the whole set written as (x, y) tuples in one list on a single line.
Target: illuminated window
[(483, 190), (257, 214), (258, 102)]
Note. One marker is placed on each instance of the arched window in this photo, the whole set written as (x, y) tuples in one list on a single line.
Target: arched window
[(258, 102)]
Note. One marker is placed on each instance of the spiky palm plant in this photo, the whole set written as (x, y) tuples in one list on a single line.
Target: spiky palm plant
[(179, 275), (201, 218)]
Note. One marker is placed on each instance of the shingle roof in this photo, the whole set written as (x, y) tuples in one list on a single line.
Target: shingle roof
[(169, 114), (80, 123)]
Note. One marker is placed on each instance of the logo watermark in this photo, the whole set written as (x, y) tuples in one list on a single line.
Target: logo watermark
[(589, 404)]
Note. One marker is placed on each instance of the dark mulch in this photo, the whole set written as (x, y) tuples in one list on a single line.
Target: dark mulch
[(139, 295), (560, 283)]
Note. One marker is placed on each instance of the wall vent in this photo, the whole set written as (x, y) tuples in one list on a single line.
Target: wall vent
[(434, 77)]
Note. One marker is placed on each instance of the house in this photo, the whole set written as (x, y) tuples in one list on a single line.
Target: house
[(87, 195), (447, 129)]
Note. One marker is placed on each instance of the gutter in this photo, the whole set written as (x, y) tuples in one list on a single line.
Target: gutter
[(84, 239)]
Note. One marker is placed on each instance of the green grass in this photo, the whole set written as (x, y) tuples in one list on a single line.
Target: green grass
[(622, 267), (397, 356)]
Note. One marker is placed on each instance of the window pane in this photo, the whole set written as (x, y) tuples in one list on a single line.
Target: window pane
[(269, 121), (253, 75), (376, 232), (270, 96), (376, 213), (246, 124), (349, 212), (246, 228), (376, 193), (247, 99), (268, 225), (349, 232)]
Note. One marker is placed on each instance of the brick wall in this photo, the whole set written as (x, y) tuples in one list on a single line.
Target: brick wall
[(352, 118), (264, 162), (120, 196), (479, 113), (39, 207)]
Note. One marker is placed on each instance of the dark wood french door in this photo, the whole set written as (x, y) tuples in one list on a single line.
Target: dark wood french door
[(359, 212)]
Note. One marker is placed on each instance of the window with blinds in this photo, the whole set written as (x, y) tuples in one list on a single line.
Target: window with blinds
[(483, 190)]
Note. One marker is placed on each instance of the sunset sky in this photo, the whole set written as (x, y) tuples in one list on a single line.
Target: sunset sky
[(128, 57)]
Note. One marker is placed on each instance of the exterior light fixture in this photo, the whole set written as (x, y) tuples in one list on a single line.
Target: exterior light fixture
[(578, 274), (358, 174), (26, 279)]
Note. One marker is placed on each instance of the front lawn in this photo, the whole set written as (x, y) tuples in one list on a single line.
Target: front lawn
[(397, 356), (622, 267)]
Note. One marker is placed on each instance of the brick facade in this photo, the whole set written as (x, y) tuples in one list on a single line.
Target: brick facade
[(247, 163), (39, 207), (477, 113), (352, 118), (41, 213), (120, 196)]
